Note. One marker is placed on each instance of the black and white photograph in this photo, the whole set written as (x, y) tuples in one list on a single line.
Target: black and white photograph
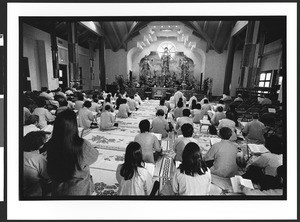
[(122, 107)]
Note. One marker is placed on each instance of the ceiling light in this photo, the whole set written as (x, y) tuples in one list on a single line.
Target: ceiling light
[(166, 30)]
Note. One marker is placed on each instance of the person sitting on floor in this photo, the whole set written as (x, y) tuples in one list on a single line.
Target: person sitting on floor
[(218, 116), (233, 113), (220, 103), (202, 100), (182, 120), (85, 116), (274, 187), (160, 124), (192, 177), (228, 122), (118, 101), (178, 110), (238, 98), (31, 124), (133, 106), (193, 98), (180, 143), (254, 131), (124, 111), (95, 107), (107, 119), (206, 106), (35, 177), (265, 101), (222, 155), (79, 102), (197, 113), (132, 176), (63, 105), (44, 115), (108, 102), (69, 157), (137, 98), (151, 149), (162, 106)]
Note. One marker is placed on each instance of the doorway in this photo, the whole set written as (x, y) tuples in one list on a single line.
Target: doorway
[(62, 76)]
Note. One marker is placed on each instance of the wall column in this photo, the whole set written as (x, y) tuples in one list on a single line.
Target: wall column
[(229, 65), (102, 75), (73, 52), (91, 58), (54, 50), (250, 55)]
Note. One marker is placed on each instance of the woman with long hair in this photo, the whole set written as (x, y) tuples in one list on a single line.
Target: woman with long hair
[(69, 157), (192, 177), (132, 176)]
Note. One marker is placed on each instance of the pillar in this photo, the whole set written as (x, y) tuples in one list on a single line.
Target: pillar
[(54, 50), (229, 65), (73, 52), (102, 75)]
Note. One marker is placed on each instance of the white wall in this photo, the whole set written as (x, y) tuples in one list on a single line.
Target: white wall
[(30, 50)]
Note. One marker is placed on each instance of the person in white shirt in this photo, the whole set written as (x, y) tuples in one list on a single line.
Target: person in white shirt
[(191, 101), (206, 106), (160, 124), (124, 111), (31, 124), (137, 98), (95, 107), (182, 120), (180, 143), (132, 176), (238, 98), (44, 93), (192, 177), (85, 116), (133, 106), (79, 102), (44, 115), (162, 106), (107, 119), (197, 114), (177, 96)]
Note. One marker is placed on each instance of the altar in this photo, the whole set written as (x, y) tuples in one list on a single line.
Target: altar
[(159, 92)]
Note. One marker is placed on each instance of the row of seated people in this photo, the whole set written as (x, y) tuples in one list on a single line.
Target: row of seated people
[(62, 164)]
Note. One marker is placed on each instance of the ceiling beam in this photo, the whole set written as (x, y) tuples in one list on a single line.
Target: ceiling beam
[(117, 36), (127, 36), (107, 38), (198, 29), (217, 32), (93, 26)]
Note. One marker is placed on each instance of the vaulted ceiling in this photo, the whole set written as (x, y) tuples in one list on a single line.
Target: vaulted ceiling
[(117, 34)]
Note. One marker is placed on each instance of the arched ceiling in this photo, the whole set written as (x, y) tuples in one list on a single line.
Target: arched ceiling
[(118, 33)]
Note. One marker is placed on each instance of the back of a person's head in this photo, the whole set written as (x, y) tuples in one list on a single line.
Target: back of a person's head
[(225, 133), (87, 104), (160, 112), (32, 119), (63, 102), (33, 140), (131, 97), (180, 104), (192, 162), (187, 130), (144, 126), (255, 115), (230, 115), (107, 100), (198, 106), (80, 96), (221, 101), (107, 107), (95, 100), (186, 112), (162, 102), (205, 101), (220, 109), (133, 160), (40, 102)]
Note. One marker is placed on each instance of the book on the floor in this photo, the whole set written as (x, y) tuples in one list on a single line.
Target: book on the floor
[(258, 148), (237, 181), (150, 167), (214, 140)]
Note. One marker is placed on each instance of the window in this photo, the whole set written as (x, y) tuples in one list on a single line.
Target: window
[(265, 79), (169, 45)]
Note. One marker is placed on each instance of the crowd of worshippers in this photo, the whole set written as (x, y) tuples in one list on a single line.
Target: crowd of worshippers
[(57, 163)]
